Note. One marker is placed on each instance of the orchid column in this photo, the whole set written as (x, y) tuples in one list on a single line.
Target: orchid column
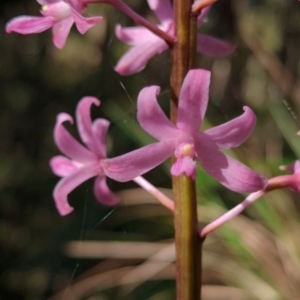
[(188, 253)]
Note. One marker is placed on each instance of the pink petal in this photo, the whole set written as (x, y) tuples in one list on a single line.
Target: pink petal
[(229, 172), (84, 123), (233, 133), (59, 10), (67, 144), (103, 193), (135, 163), (193, 99), (296, 166), (295, 186), (137, 57), (62, 166), (184, 165), (79, 5), (29, 25), (214, 47), (84, 24), (202, 15), (47, 2), (61, 31), (100, 127), (151, 117), (133, 35), (68, 184), (162, 9)]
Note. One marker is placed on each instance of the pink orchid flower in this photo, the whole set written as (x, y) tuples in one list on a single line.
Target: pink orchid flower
[(145, 44), (185, 141), (60, 15), (80, 163)]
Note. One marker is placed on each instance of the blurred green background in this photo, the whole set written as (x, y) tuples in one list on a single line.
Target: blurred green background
[(127, 252)]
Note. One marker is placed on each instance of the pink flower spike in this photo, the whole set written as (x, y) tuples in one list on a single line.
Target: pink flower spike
[(186, 142), (58, 14), (81, 162), (145, 44)]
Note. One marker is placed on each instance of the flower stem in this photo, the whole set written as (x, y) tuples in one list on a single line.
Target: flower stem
[(278, 182), (151, 189), (187, 240), (199, 5), (231, 213), (137, 19)]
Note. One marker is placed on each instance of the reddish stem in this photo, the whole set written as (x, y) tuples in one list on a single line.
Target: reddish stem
[(188, 243), (151, 189), (137, 19)]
